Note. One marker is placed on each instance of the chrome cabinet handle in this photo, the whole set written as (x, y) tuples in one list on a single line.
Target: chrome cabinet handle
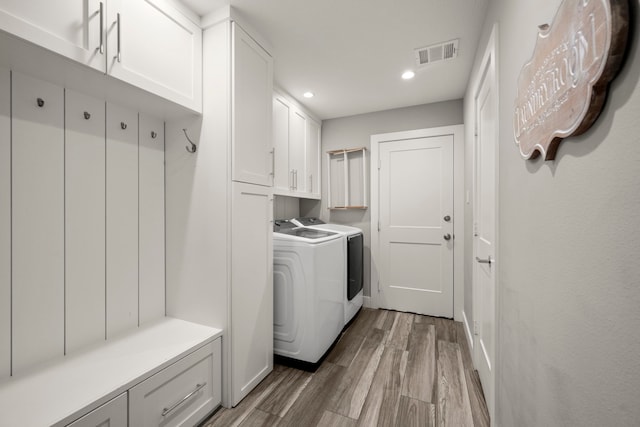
[(291, 179), (485, 261), (167, 411), (295, 174), (119, 55), (101, 28), (273, 161)]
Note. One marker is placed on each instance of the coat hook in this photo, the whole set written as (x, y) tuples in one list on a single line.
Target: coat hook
[(40, 102), (123, 125), (87, 116), (193, 147), (153, 135)]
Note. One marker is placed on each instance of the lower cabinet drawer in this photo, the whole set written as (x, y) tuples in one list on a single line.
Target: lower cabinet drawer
[(182, 393), (112, 414)]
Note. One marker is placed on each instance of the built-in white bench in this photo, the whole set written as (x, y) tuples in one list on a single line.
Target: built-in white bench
[(165, 371)]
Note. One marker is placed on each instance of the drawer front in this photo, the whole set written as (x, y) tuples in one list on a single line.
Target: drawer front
[(112, 414), (181, 394)]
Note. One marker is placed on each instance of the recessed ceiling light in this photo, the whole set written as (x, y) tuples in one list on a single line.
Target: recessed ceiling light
[(407, 75), (308, 94)]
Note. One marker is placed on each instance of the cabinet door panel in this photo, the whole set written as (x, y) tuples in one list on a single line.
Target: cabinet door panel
[(297, 141), (281, 175), (151, 219), (252, 88), (37, 222), (5, 223), (313, 158), (252, 287), (70, 28), (122, 219), (157, 49), (84, 220)]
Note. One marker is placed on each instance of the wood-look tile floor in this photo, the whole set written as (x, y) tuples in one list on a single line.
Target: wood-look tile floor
[(387, 369)]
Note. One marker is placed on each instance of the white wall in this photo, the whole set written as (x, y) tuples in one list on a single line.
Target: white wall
[(355, 131), (568, 294)]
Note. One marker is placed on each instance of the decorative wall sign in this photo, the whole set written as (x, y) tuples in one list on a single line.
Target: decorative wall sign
[(562, 89)]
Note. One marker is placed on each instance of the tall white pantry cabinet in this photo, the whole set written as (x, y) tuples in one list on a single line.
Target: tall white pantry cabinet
[(249, 76), (220, 207)]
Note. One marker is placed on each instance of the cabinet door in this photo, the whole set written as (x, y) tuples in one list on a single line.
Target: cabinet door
[(111, 414), (252, 89), (122, 219), (251, 287), (151, 218), (37, 169), (153, 46), (5, 223), (281, 175), (297, 142), (84, 220), (313, 158), (70, 28)]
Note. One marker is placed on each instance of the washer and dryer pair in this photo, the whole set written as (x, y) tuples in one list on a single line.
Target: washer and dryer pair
[(317, 286)]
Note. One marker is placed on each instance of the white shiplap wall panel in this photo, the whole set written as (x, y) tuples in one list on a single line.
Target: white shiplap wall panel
[(37, 222), (5, 223), (122, 219), (84, 220), (152, 271)]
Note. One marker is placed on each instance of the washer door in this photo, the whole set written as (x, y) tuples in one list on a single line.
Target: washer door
[(354, 265)]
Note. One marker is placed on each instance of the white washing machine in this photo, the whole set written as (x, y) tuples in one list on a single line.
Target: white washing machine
[(353, 294), (308, 266)]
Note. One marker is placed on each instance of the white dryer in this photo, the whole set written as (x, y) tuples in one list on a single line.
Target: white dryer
[(353, 294), (308, 267)]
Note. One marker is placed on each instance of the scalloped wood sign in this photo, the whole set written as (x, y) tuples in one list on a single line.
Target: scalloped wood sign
[(562, 89)]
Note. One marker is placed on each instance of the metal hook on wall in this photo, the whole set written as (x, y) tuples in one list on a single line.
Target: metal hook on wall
[(193, 147)]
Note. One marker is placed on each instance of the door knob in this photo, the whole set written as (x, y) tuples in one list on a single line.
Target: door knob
[(447, 237), (485, 261), (447, 218)]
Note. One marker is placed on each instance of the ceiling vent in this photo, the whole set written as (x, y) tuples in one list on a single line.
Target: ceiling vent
[(436, 53)]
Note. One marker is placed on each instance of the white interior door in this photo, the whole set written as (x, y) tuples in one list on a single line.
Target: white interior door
[(484, 271), (416, 225)]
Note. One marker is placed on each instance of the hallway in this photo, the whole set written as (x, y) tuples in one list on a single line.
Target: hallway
[(388, 368)]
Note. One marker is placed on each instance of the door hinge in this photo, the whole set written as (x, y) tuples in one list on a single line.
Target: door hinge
[(475, 327), (475, 228), (379, 163), (378, 226)]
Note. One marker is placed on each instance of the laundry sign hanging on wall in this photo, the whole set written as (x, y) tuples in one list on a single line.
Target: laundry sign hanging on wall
[(562, 89)]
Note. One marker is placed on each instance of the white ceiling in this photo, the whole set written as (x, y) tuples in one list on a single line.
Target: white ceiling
[(351, 53)]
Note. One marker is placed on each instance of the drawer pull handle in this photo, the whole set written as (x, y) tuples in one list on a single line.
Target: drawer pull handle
[(167, 411)]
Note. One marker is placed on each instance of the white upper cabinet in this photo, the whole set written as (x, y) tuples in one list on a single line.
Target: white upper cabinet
[(297, 147), (296, 139), (70, 28), (281, 174), (146, 43), (154, 47), (313, 158), (252, 87)]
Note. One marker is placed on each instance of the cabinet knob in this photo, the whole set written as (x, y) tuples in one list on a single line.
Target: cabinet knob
[(40, 102), (87, 115), (123, 125)]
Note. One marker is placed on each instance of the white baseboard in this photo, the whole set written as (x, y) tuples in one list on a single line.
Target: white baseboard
[(366, 302), (467, 329)]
